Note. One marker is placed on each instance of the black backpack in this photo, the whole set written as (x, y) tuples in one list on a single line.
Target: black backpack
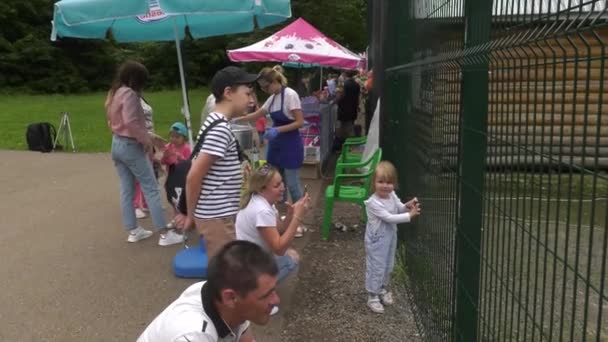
[(40, 136), (175, 185)]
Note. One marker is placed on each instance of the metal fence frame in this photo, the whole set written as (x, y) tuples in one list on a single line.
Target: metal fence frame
[(493, 112)]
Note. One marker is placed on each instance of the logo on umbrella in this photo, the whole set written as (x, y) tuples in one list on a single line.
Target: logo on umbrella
[(155, 13), (293, 57)]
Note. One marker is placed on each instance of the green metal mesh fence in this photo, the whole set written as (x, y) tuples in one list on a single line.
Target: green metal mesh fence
[(495, 116)]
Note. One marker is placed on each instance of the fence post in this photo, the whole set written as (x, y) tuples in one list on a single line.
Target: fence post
[(384, 57), (394, 52), (478, 14)]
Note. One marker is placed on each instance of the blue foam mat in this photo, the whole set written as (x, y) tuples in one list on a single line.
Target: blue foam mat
[(191, 262)]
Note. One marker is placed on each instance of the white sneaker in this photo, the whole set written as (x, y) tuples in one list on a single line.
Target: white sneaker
[(374, 304), (138, 234), (274, 311), (300, 231), (170, 225), (170, 238), (386, 297), (140, 214)]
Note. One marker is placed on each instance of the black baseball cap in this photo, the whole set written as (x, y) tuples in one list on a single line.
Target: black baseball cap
[(228, 77)]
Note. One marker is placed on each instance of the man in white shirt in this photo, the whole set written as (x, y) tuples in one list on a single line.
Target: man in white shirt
[(208, 107), (240, 288), (332, 84)]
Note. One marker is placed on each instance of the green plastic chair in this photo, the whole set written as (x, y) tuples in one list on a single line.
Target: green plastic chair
[(347, 156), (349, 193)]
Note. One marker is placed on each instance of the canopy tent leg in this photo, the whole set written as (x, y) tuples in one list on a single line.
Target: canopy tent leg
[(321, 79)]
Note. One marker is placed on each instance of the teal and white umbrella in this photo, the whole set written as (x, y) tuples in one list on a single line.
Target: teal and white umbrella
[(164, 20)]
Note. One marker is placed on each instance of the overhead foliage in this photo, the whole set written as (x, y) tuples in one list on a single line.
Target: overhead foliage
[(30, 62)]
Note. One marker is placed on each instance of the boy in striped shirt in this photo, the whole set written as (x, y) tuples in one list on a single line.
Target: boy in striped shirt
[(213, 185)]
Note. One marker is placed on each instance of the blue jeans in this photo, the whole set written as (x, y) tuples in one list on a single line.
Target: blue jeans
[(286, 265), (291, 178), (132, 163)]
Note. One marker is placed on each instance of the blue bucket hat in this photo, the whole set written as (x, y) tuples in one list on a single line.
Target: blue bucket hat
[(180, 128)]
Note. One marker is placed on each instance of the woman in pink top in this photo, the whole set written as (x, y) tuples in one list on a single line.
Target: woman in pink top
[(130, 146)]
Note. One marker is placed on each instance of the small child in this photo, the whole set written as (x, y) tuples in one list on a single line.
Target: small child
[(260, 124), (384, 212), (139, 201), (260, 127), (175, 151)]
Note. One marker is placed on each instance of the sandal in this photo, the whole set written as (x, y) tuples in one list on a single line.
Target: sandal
[(300, 231)]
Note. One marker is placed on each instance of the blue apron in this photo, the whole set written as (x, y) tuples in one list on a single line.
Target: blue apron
[(286, 151)]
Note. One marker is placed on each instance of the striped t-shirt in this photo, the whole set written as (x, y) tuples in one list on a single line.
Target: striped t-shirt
[(221, 187)]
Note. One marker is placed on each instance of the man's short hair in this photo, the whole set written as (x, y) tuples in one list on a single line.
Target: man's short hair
[(237, 266)]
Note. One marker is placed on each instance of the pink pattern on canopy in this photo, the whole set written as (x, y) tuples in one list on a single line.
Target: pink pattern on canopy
[(299, 42)]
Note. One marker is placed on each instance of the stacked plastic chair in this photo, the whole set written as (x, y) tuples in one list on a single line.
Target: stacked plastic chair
[(352, 183)]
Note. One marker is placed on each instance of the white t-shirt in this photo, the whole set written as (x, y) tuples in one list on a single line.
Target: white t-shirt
[(208, 107), (148, 113), (191, 317), (221, 187), (385, 211), (291, 102), (258, 213), (332, 86)]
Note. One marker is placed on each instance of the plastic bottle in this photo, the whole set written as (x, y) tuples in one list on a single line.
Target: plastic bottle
[(255, 157)]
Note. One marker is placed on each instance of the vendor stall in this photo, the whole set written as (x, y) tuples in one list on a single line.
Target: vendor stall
[(301, 44)]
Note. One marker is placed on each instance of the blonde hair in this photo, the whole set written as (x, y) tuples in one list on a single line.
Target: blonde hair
[(384, 171), (275, 73), (258, 181)]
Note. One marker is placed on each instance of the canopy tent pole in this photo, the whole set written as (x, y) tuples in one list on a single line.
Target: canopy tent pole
[(182, 78), (321, 79)]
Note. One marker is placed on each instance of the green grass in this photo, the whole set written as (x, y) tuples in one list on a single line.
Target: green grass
[(400, 273), (87, 116)]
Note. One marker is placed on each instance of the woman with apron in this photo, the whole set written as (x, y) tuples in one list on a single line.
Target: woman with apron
[(285, 147)]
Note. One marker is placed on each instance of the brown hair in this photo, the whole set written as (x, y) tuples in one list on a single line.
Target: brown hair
[(130, 74), (385, 171), (274, 74), (258, 181)]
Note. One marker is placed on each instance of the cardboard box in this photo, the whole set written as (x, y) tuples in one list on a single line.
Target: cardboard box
[(312, 153), (311, 170)]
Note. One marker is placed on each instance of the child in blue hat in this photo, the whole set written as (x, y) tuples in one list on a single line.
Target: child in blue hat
[(175, 151)]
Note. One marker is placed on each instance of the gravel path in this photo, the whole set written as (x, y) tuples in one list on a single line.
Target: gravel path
[(329, 299)]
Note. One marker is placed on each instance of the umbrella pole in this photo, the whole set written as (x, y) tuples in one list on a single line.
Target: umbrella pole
[(183, 82)]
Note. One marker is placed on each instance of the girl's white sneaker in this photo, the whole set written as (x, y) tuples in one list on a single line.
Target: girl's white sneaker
[(374, 304), (138, 234), (386, 297)]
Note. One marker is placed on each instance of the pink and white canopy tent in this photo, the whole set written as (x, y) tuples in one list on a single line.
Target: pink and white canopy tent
[(299, 42)]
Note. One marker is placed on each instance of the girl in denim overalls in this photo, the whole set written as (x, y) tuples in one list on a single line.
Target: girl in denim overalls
[(384, 212)]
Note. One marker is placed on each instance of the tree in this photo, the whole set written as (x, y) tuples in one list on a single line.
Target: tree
[(29, 61)]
